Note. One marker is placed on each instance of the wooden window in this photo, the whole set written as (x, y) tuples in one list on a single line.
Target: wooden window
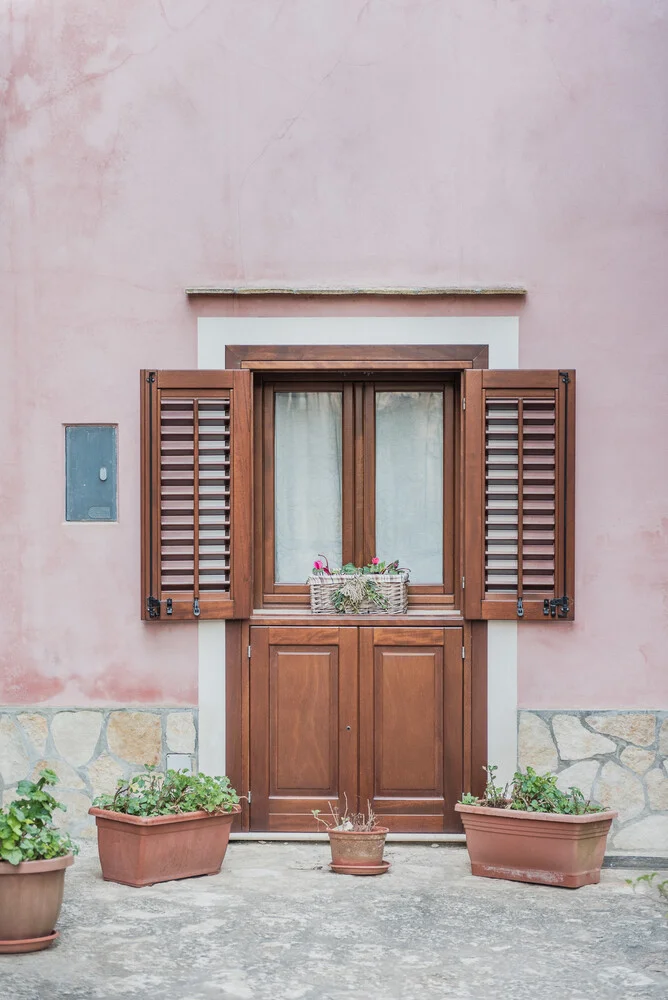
[(385, 447), (196, 495), (497, 458), (519, 461)]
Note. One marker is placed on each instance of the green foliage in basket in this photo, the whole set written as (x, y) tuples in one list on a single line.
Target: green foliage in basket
[(349, 598)]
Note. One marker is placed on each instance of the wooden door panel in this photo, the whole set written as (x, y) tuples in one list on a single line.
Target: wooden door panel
[(303, 724), (408, 733), (303, 694), (411, 726)]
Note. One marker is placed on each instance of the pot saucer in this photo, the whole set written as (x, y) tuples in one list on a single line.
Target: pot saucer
[(360, 869), (27, 944)]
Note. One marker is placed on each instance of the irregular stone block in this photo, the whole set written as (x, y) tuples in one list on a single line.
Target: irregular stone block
[(135, 736), (535, 746), (634, 727), (649, 834), (657, 789), (104, 774), (663, 738), (619, 789), (76, 734), (181, 732), (575, 742), (36, 728), (14, 762), (67, 776), (638, 760), (579, 776)]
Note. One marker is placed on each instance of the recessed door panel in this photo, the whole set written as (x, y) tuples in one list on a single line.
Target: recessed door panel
[(408, 734), (304, 738)]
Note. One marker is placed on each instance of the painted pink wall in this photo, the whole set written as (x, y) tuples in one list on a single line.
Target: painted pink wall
[(153, 145)]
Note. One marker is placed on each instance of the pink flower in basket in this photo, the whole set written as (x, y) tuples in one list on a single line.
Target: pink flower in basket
[(317, 564), (375, 561)]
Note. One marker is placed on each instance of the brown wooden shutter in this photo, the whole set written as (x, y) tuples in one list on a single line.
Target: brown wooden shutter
[(196, 495), (519, 476)]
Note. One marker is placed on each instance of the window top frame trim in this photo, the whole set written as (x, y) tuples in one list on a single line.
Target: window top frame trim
[(337, 358)]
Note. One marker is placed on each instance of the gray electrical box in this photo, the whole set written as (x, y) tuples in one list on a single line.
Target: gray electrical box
[(90, 472)]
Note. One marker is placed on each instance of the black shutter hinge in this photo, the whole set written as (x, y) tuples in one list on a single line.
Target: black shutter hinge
[(565, 377), (196, 609), (170, 608), (153, 607), (520, 608), (150, 377), (557, 607)]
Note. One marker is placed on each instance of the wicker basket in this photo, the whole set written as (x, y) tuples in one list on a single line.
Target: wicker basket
[(392, 586)]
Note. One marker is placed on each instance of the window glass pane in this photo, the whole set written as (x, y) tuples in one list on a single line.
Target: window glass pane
[(409, 482), (307, 482)]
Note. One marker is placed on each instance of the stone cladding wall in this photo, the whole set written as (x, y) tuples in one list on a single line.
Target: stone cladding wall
[(89, 749), (618, 759)]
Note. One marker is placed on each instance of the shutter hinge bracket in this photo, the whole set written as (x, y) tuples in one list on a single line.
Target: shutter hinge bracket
[(520, 608), (249, 797), (196, 610), (249, 652), (153, 607), (558, 606), (463, 583), (150, 377), (565, 377), (169, 605), (463, 402), (463, 652)]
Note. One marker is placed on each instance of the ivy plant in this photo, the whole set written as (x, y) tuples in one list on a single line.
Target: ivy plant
[(531, 792), (27, 832), (152, 793)]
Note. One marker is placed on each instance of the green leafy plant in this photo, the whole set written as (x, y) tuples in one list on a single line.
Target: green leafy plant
[(346, 821), (152, 793), (321, 567), (648, 880), (531, 792), (27, 832)]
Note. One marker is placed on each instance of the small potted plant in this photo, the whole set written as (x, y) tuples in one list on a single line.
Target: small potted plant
[(531, 831), (33, 859), (356, 841), (158, 827)]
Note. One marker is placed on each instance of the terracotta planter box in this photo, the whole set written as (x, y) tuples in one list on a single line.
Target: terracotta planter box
[(536, 847), (31, 895), (142, 850)]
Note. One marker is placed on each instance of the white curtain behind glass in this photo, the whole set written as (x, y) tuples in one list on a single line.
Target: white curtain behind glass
[(409, 482), (307, 430)]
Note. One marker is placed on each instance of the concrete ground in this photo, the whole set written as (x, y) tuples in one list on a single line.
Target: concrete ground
[(275, 924)]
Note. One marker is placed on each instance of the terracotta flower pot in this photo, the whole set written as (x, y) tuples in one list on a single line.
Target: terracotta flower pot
[(142, 850), (359, 853), (536, 847), (31, 895)]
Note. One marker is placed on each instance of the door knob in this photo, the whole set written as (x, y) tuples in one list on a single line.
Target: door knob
[(348, 728)]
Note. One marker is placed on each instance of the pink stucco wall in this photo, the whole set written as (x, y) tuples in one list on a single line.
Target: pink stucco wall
[(152, 144)]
